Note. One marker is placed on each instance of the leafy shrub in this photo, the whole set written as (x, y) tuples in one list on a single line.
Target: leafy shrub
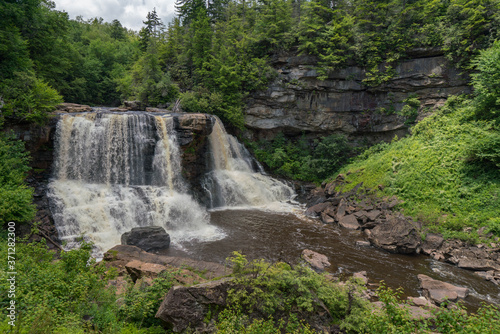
[(203, 101), (303, 160), (15, 196), (142, 303), (486, 82), (231, 320), (446, 172), (28, 98), (278, 291)]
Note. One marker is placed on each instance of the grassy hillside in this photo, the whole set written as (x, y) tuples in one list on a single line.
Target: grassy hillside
[(448, 171)]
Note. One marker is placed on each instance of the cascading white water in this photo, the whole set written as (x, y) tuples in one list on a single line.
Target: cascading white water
[(236, 179), (114, 172)]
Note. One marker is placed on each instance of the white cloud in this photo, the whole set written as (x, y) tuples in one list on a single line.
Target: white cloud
[(130, 13)]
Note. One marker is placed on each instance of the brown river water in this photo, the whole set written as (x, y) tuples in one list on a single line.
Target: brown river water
[(270, 235)]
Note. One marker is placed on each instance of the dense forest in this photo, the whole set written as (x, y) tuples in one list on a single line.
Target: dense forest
[(214, 53), (209, 59)]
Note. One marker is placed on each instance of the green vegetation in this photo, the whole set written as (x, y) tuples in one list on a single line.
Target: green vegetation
[(15, 196), (448, 171), (69, 294), (220, 49), (301, 159)]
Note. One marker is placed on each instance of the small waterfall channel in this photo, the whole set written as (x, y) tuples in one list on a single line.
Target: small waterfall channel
[(114, 172), (236, 179)]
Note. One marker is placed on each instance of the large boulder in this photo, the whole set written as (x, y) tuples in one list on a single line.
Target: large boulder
[(350, 222), (396, 235), (185, 307), (148, 238), (438, 291)]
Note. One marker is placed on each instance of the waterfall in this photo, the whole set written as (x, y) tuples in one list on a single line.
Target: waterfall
[(236, 178), (114, 172)]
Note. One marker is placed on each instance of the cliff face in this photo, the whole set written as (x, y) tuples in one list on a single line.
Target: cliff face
[(297, 101)]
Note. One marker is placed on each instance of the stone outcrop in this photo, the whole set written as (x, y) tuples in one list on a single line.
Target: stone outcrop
[(72, 107), (39, 142), (298, 101), (192, 133), (439, 292), (121, 255), (147, 238)]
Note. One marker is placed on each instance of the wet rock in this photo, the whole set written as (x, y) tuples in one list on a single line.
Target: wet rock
[(362, 243), (349, 222), (314, 211), (478, 264), (147, 238), (317, 261), (185, 307), (327, 219), (438, 291), (396, 235), (432, 242)]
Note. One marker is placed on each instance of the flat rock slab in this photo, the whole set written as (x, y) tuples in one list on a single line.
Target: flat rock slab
[(478, 264), (138, 269), (120, 255), (438, 291), (316, 260)]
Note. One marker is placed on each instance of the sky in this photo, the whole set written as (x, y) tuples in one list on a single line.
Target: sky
[(130, 13)]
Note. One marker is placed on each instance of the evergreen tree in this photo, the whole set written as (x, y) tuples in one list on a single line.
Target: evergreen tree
[(188, 9)]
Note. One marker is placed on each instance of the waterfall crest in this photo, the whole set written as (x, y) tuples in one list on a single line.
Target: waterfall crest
[(236, 179), (115, 172)]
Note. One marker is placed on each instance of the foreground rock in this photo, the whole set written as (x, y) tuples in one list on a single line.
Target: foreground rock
[(317, 261), (121, 255), (147, 238), (439, 292), (194, 309), (185, 307), (138, 269)]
